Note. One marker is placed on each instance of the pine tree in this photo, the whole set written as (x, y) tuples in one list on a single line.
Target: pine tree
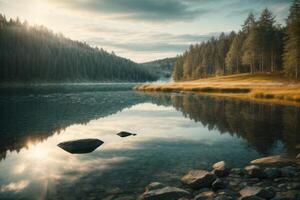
[(234, 55), (249, 22), (266, 37), (291, 55), (250, 46)]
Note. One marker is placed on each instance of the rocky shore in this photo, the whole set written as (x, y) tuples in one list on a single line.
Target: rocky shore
[(274, 177)]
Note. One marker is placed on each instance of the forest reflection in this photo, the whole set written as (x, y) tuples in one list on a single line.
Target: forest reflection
[(262, 125), (33, 117)]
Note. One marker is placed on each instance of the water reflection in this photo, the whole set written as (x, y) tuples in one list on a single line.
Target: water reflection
[(165, 147), (35, 117), (263, 126)]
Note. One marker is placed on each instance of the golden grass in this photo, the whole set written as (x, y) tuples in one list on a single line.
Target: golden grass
[(269, 88)]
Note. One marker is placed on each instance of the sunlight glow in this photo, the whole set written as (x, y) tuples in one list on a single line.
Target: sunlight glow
[(37, 152)]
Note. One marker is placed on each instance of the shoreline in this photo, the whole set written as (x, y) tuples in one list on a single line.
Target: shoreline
[(264, 88), (272, 177)]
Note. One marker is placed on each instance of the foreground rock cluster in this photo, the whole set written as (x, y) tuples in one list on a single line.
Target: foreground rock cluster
[(273, 177)]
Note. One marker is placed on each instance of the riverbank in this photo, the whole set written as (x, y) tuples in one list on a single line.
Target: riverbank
[(274, 177), (270, 88)]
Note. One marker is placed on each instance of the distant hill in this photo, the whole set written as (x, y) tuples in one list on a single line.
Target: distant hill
[(34, 54), (161, 68)]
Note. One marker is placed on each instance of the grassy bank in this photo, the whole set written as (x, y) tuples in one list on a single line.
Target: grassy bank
[(272, 88)]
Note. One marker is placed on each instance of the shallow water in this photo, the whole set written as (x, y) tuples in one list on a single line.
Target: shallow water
[(175, 133)]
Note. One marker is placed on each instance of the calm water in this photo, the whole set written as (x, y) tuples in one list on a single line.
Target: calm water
[(175, 133)]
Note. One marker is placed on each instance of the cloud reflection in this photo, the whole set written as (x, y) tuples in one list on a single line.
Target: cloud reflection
[(15, 186)]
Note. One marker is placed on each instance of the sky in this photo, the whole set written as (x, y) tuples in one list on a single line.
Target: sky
[(141, 30)]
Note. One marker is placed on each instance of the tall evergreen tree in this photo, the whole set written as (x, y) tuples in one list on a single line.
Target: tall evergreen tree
[(250, 47), (266, 37), (291, 55), (234, 55)]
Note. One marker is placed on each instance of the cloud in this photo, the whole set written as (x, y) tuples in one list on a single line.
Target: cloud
[(142, 10), (156, 42), (141, 46)]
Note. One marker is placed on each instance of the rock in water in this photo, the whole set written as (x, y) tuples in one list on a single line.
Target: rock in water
[(166, 193), (125, 134), (198, 179), (273, 160), (298, 156), (220, 169), (80, 146)]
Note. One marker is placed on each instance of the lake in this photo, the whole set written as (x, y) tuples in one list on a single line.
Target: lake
[(176, 132)]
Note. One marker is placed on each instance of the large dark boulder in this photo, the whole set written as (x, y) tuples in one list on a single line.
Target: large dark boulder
[(125, 134), (80, 146)]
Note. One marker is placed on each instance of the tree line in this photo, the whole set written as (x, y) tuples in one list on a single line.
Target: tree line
[(36, 54), (260, 46)]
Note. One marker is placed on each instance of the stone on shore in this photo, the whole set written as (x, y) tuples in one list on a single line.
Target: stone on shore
[(252, 192), (80, 146), (218, 184), (273, 160), (288, 195), (209, 195), (197, 179), (254, 171), (220, 169), (237, 171), (272, 172), (166, 193), (288, 171), (155, 186)]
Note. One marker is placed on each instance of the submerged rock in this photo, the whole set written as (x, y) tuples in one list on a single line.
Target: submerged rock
[(80, 146), (166, 193), (198, 179), (220, 169), (125, 134)]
